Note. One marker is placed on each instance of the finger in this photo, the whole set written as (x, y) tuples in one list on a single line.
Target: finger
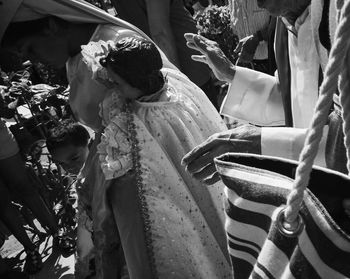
[(201, 43), (199, 58), (105, 49), (189, 36), (205, 173), (193, 46), (208, 42), (238, 48), (212, 180), (111, 45), (200, 150), (238, 61), (192, 39), (202, 38), (201, 162), (211, 148), (206, 159)]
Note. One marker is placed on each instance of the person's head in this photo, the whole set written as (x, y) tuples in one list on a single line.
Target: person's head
[(291, 9), (67, 143), (46, 40), (134, 65)]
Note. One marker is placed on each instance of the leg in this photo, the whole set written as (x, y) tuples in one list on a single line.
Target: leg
[(109, 257), (14, 175), (7, 273), (85, 251), (10, 216), (28, 217), (123, 199)]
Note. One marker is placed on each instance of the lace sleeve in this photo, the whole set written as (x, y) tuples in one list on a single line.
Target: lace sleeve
[(115, 148)]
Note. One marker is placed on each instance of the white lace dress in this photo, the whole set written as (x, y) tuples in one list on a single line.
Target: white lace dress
[(170, 225)]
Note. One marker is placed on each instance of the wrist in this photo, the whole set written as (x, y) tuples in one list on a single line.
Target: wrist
[(230, 73)]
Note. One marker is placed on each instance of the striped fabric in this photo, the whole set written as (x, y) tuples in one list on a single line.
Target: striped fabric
[(254, 197), (247, 18)]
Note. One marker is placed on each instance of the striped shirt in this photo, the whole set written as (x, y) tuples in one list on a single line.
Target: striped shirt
[(247, 18)]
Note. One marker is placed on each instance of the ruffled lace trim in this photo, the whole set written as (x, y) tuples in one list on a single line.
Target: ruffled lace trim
[(111, 106), (115, 148), (91, 55)]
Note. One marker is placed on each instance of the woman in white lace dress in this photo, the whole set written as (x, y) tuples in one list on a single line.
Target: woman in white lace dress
[(170, 225)]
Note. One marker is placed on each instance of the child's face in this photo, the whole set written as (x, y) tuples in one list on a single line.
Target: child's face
[(127, 91), (70, 157)]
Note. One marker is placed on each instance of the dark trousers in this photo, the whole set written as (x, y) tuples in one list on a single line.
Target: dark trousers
[(335, 148)]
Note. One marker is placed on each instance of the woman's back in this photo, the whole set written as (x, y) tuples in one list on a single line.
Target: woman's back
[(185, 219)]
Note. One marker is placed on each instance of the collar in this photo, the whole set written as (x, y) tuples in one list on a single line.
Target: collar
[(155, 96)]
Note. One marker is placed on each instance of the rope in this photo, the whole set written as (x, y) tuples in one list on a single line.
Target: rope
[(344, 86), (334, 67)]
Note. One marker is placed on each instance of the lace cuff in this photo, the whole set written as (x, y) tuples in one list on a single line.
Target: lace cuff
[(115, 148)]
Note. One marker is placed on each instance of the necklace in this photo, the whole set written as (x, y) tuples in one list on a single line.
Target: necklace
[(135, 151)]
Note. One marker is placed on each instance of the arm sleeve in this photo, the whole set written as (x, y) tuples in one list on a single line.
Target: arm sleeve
[(288, 143), (254, 97)]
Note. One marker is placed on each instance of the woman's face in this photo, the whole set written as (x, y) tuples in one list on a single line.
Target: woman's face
[(127, 91), (70, 157), (44, 48)]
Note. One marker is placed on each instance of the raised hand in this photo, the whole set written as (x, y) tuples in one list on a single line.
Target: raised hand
[(212, 55)]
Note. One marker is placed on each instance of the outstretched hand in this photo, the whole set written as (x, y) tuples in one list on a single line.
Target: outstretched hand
[(212, 55), (200, 161)]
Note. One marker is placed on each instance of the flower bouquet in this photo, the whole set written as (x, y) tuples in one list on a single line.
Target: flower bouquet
[(214, 23)]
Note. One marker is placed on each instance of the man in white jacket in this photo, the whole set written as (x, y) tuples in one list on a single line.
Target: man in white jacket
[(262, 99)]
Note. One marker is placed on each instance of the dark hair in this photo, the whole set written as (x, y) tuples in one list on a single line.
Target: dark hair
[(18, 30), (138, 62), (65, 133)]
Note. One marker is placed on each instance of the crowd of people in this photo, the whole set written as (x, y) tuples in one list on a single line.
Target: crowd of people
[(150, 200)]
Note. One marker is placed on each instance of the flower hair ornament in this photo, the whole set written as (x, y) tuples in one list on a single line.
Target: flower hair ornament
[(92, 53)]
